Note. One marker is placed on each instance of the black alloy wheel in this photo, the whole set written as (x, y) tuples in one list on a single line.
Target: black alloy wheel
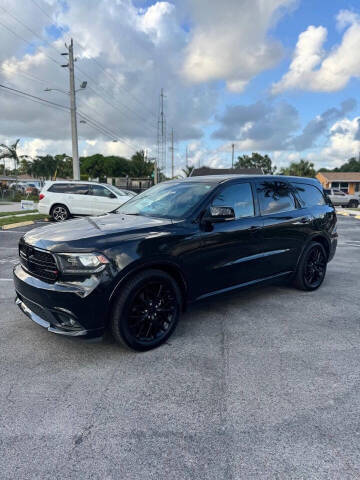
[(147, 311), (60, 213), (312, 267)]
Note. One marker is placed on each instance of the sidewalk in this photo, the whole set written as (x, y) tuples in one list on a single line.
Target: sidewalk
[(10, 207)]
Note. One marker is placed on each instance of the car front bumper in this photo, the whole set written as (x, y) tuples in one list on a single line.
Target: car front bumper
[(78, 309)]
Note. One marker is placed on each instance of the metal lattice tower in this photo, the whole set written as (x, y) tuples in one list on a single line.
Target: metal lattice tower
[(161, 137)]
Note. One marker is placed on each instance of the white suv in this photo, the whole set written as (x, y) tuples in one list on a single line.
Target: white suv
[(341, 199), (62, 199)]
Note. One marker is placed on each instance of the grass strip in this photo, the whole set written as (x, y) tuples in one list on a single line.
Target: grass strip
[(18, 212), (17, 219)]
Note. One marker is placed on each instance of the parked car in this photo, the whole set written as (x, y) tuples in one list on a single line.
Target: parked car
[(342, 199), (180, 241), (63, 199)]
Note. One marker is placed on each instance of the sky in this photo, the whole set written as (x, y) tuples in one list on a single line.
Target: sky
[(273, 76)]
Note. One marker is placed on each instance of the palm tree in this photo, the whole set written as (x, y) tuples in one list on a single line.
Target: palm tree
[(187, 171), (9, 151)]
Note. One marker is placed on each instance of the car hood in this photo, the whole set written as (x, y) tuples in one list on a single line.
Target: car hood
[(84, 233)]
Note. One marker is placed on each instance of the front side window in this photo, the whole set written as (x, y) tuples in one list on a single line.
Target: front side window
[(275, 197), (100, 191), (309, 195), (172, 200), (239, 197)]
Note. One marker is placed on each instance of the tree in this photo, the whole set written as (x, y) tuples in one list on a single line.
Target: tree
[(140, 166), (352, 165), (187, 171), (256, 161), (304, 168), (10, 152)]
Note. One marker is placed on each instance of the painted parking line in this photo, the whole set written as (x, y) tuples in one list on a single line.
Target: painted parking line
[(6, 279)]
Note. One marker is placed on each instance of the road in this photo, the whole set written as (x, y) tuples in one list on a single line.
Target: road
[(262, 384)]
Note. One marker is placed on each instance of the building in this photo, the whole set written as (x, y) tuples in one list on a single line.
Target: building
[(197, 172), (348, 182)]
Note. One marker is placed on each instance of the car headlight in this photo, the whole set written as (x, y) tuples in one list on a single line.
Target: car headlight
[(81, 263)]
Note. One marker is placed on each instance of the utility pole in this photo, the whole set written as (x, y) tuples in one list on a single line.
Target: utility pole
[(74, 135), (232, 156)]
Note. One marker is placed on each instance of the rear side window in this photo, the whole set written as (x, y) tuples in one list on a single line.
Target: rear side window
[(309, 195), (275, 197), (59, 188), (239, 197), (79, 189)]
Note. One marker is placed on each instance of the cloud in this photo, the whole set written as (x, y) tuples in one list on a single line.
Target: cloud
[(314, 69), (126, 53), (273, 125), (343, 144), (318, 125), (261, 126), (230, 41)]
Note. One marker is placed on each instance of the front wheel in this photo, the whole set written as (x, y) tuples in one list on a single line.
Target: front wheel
[(353, 204), (312, 267), (146, 311)]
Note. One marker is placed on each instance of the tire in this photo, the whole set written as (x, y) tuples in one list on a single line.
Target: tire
[(59, 213), (353, 204), (136, 321), (311, 269)]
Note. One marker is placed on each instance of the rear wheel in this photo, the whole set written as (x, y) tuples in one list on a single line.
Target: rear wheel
[(146, 311), (353, 204), (59, 213), (312, 267)]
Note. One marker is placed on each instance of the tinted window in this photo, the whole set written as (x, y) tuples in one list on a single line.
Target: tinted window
[(275, 197), (59, 188), (100, 191), (78, 189), (309, 195), (239, 197)]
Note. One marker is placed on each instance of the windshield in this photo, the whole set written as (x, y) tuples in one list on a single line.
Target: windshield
[(167, 200)]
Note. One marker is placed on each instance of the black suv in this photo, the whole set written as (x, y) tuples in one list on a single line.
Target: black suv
[(180, 241)]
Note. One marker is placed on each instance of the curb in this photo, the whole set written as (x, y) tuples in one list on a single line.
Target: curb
[(19, 224)]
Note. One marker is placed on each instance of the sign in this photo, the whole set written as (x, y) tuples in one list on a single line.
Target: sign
[(27, 205)]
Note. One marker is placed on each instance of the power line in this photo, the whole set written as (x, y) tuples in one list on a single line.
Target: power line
[(27, 42), (111, 101), (40, 8), (34, 97), (42, 39), (141, 103), (78, 68), (43, 101)]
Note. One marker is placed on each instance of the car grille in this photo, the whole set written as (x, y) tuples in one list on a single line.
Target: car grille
[(39, 263)]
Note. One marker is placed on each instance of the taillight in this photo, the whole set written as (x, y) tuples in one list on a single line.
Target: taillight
[(41, 196)]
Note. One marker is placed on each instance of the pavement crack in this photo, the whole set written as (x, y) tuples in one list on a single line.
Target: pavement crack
[(10, 393)]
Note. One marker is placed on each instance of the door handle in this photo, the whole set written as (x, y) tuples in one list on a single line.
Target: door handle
[(254, 228)]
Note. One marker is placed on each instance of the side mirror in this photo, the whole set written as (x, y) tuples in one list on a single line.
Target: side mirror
[(112, 195), (219, 214)]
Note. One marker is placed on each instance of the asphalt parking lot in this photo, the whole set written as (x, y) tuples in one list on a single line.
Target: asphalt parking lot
[(261, 384)]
